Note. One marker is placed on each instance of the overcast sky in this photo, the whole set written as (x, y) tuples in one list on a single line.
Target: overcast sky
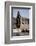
[(23, 12)]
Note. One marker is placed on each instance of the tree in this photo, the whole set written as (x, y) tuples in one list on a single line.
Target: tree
[(18, 20)]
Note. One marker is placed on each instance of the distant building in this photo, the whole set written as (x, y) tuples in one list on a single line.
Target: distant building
[(24, 23)]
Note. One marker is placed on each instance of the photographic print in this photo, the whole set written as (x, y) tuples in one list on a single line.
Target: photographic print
[(20, 21)]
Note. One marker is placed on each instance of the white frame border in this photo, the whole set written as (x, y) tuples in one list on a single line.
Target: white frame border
[(20, 38)]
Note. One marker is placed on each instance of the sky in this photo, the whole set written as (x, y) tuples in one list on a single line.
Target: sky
[(23, 12)]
